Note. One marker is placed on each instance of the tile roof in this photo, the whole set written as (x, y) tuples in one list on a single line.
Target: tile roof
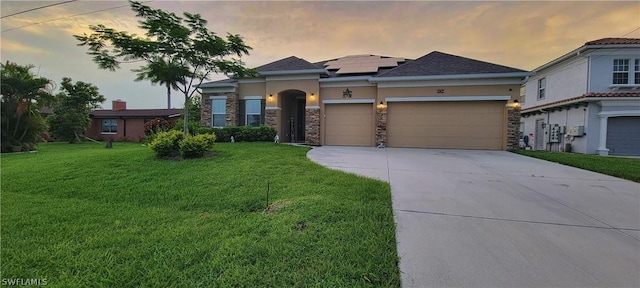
[(438, 63), (613, 41), (585, 97), (149, 113), (288, 64)]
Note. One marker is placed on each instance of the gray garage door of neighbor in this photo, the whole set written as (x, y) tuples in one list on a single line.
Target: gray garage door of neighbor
[(349, 124), (459, 125), (623, 135)]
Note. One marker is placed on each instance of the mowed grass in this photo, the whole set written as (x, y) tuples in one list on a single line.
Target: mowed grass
[(85, 216), (626, 168)]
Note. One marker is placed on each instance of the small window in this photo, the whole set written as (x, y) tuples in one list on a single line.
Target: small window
[(109, 126), (637, 74), (253, 112), (542, 84), (620, 71), (218, 112)]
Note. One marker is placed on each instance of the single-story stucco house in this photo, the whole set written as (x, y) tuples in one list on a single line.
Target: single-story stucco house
[(436, 101), (122, 124)]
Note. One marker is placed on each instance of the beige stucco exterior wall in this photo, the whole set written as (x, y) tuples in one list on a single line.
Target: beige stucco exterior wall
[(473, 90), (252, 89), (308, 86), (357, 92)]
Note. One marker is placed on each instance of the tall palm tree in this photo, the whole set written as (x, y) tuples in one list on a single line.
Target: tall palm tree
[(163, 72)]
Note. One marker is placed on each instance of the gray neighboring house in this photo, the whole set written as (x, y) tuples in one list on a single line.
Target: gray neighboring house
[(586, 101)]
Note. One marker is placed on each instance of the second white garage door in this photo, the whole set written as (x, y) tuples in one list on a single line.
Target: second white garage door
[(459, 125), (349, 124)]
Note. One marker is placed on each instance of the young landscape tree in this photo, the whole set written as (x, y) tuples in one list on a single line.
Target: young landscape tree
[(23, 95), (70, 116), (179, 52)]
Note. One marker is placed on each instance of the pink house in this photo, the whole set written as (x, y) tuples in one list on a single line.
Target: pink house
[(122, 124)]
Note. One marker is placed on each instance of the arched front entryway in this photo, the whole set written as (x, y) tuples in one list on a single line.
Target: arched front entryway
[(292, 120)]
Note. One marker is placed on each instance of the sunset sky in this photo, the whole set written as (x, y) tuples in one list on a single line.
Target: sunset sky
[(522, 35)]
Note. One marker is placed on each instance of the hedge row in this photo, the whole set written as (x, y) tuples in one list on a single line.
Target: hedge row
[(173, 143), (239, 133)]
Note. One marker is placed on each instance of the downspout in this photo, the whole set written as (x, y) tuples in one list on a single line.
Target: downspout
[(588, 74), (124, 127)]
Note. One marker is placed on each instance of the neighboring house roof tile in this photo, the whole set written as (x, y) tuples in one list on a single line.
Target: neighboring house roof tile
[(614, 41), (584, 97), (438, 63), (288, 64), (590, 46), (149, 113)]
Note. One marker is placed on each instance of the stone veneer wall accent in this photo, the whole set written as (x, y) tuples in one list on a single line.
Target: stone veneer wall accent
[(232, 109), (513, 128), (205, 115), (271, 117), (381, 126), (312, 126)]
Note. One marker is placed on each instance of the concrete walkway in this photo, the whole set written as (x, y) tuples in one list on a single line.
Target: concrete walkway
[(496, 219)]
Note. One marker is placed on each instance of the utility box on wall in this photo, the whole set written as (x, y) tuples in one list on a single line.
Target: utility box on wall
[(555, 134), (576, 131)]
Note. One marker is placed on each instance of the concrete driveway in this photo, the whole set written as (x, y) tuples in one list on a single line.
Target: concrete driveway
[(497, 219)]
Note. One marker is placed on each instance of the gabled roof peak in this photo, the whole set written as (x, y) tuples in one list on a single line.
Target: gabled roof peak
[(439, 63), (290, 63)]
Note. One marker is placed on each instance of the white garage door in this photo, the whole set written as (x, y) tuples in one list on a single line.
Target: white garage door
[(349, 124), (460, 125), (623, 136)]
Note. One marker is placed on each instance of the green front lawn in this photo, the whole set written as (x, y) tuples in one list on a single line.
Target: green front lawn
[(626, 168), (84, 216)]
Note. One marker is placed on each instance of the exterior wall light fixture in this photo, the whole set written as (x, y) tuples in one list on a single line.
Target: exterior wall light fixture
[(515, 104)]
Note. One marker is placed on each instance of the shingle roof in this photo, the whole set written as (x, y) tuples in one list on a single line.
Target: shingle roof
[(438, 63), (585, 97), (148, 113), (288, 64), (613, 41)]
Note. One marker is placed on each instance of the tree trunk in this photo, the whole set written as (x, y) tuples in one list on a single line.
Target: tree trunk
[(15, 130), (168, 95), (26, 128), (185, 111)]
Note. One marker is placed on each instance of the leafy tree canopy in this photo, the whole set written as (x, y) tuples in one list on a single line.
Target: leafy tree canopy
[(74, 103), (23, 94), (184, 44)]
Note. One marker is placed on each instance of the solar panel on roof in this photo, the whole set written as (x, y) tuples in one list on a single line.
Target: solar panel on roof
[(361, 64)]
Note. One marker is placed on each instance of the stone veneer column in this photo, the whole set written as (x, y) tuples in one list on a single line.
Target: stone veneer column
[(205, 115), (232, 109), (271, 117), (513, 128), (312, 126), (381, 126)]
